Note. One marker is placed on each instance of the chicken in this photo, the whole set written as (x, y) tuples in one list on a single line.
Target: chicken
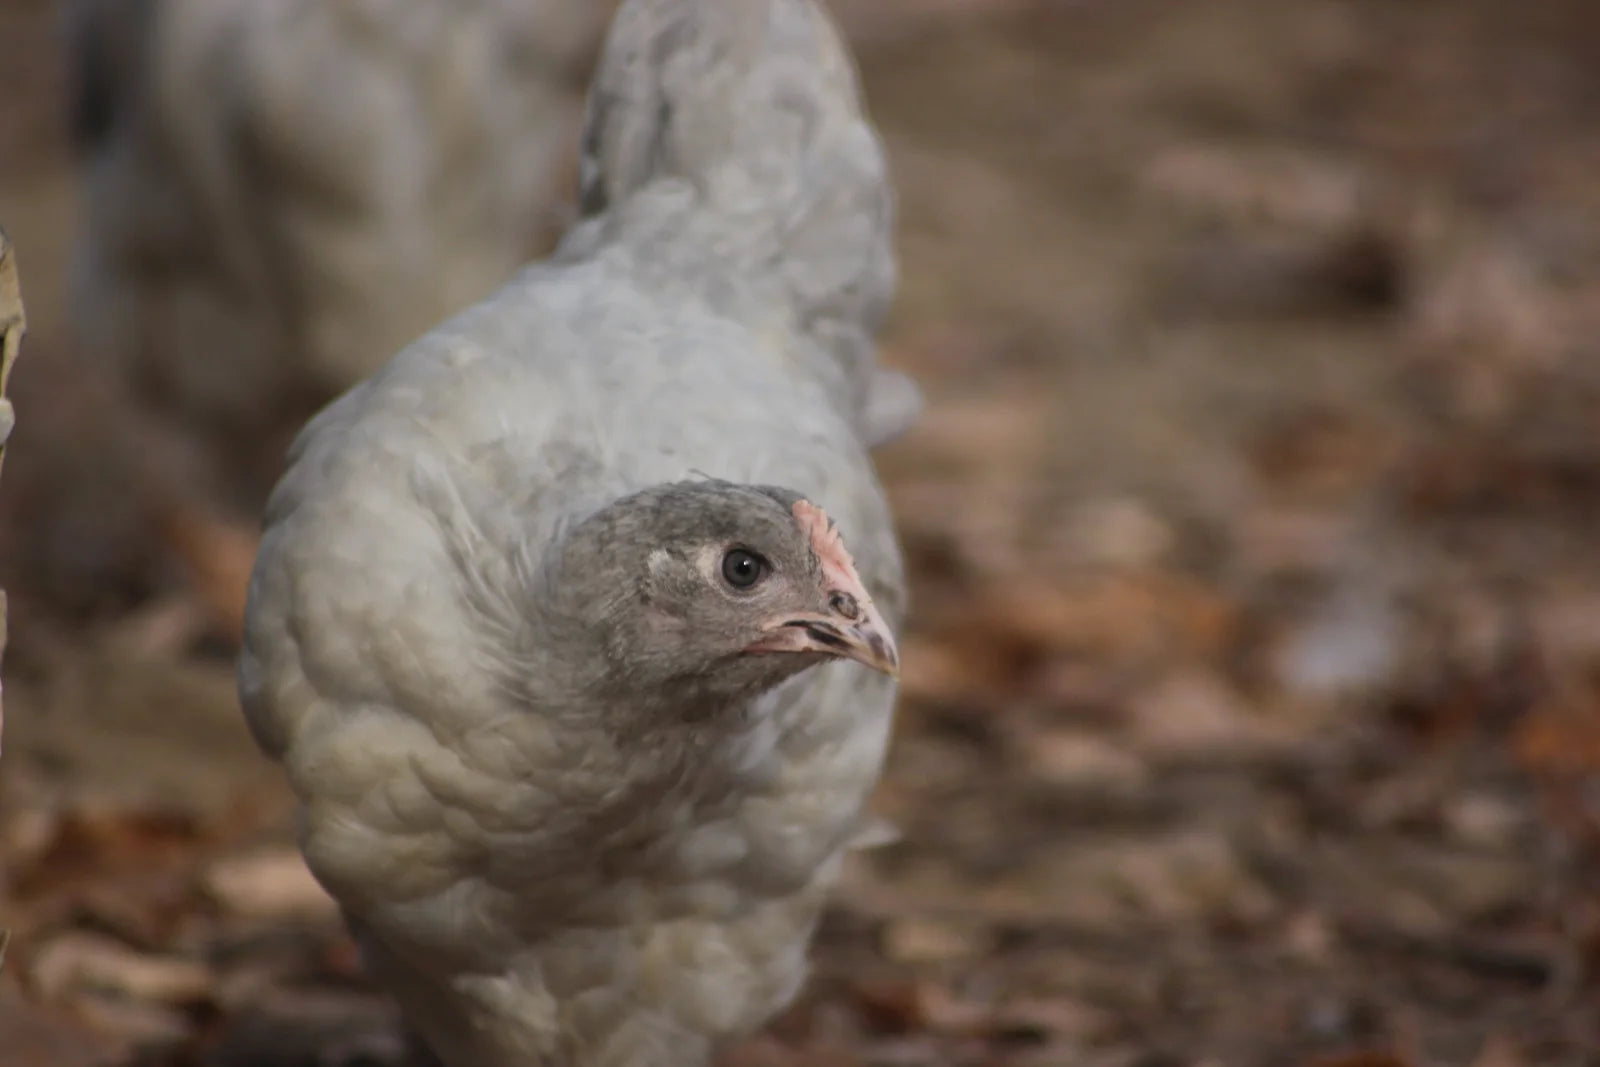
[(578, 684), (278, 194)]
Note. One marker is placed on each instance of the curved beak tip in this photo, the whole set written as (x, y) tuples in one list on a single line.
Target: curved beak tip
[(883, 654), (865, 639)]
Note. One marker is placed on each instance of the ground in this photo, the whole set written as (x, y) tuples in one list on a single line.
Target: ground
[(1252, 691)]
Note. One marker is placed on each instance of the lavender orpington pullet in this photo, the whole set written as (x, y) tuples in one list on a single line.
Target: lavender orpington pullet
[(579, 686)]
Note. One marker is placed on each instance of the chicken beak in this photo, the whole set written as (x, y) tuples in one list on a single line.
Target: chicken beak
[(865, 635), (851, 629)]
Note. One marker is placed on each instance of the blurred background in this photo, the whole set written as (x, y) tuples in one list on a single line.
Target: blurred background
[(1252, 693)]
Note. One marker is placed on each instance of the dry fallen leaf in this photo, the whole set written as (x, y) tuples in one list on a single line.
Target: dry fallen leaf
[(40, 1035), (765, 1051), (219, 556), (1049, 1019), (142, 1023), (1282, 187), (1500, 1052), (1195, 713), (75, 963), (1079, 758), (272, 885), (95, 839), (1364, 1058), (919, 940)]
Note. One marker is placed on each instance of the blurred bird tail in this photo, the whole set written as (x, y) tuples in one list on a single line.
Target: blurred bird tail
[(727, 142)]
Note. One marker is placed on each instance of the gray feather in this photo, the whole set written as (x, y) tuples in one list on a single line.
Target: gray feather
[(280, 193), (893, 404), (725, 141)]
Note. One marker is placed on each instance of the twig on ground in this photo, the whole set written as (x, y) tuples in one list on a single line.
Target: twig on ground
[(13, 324)]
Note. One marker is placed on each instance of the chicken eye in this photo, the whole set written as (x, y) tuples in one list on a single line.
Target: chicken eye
[(742, 568)]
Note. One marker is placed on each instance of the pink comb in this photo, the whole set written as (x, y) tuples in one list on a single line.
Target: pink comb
[(837, 566)]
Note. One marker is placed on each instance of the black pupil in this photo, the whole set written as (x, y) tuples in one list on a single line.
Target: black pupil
[(741, 568)]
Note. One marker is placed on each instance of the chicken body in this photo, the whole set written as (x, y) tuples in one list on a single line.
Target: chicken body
[(279, 194), (544, 877)]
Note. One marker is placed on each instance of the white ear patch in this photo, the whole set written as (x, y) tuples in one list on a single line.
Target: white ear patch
[(657, 561)]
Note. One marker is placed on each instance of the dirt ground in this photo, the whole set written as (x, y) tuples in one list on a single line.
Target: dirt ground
[(1252, 694)]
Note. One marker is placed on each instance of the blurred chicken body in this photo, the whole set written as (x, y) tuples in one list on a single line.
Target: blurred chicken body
[(281, 193), (579, 790)]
